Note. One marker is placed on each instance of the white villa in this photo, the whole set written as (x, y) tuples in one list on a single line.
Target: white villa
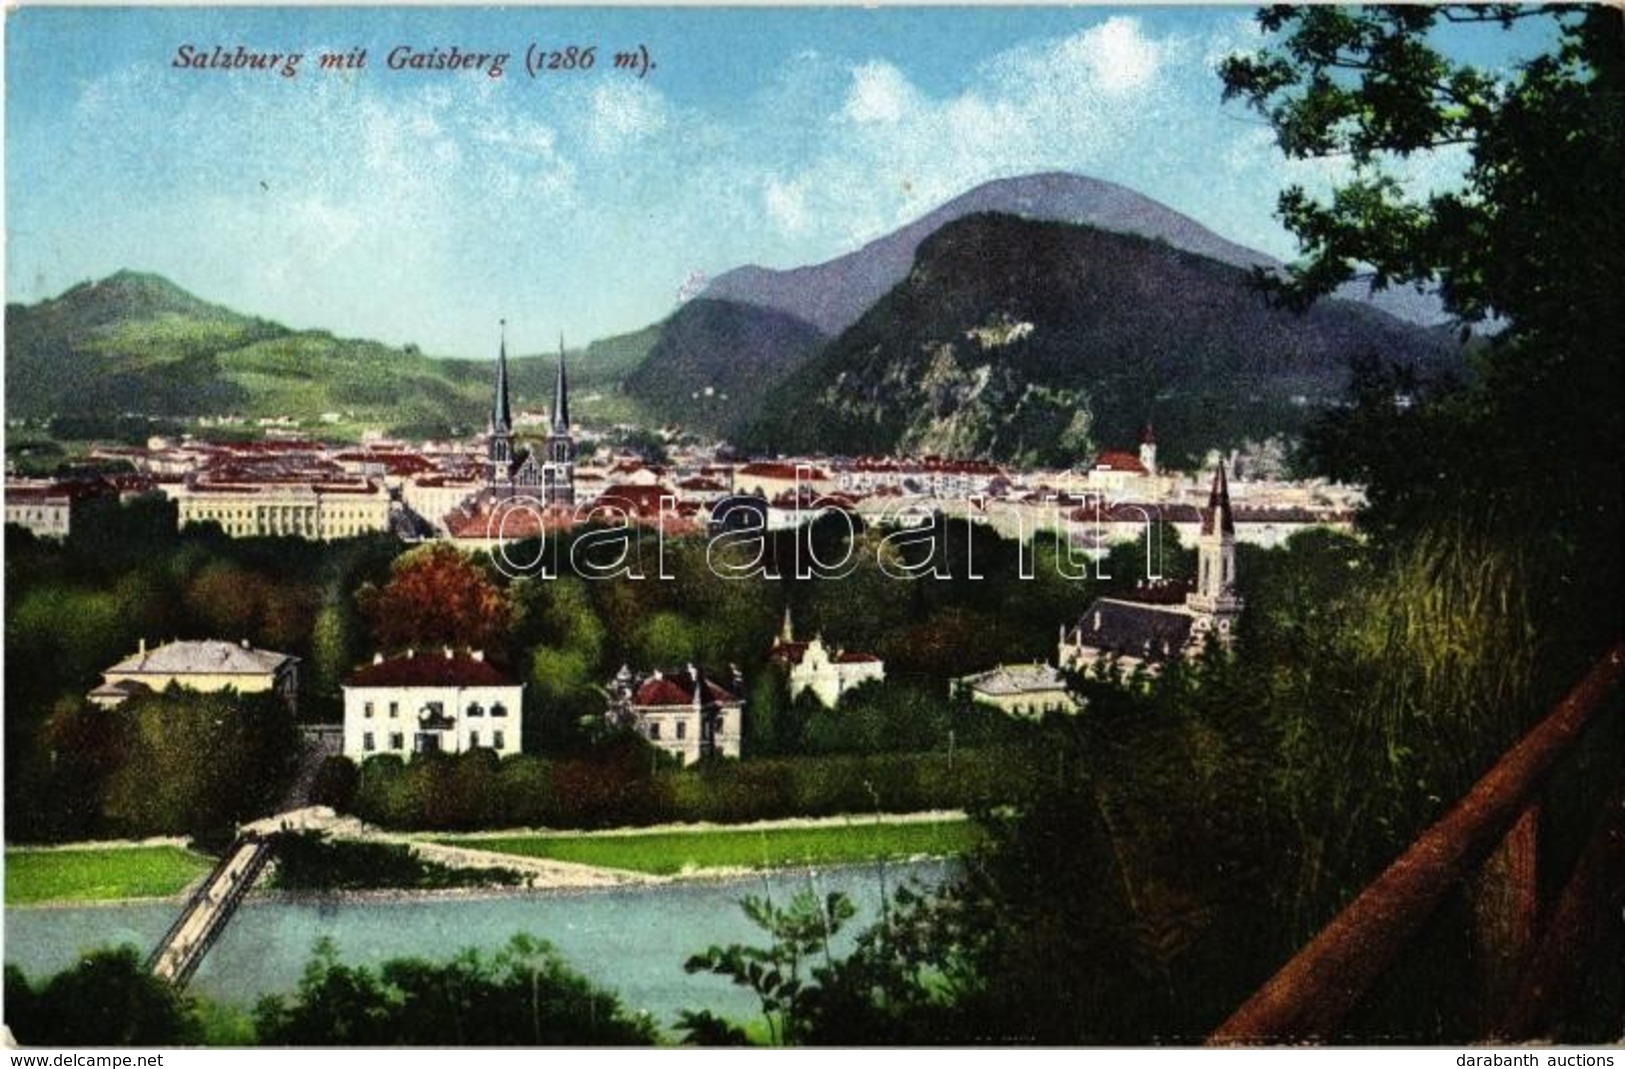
[(829, 674), (1029, 690), (436, 701)]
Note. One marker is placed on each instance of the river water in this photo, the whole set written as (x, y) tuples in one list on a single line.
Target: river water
[(631, 940)]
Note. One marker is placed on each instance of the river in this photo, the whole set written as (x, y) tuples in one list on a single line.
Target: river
[(631, 940)]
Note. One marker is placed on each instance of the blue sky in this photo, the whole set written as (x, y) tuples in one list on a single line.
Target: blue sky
[(422, 207)]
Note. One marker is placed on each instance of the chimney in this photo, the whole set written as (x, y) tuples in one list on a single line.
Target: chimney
[(410, 653), (141, 650), (245, 644), (478, 655), (448, 653), (378, 658)]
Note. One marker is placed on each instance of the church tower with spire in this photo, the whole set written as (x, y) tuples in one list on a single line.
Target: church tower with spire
[(559, 469), (1215, 601), (499, 437)]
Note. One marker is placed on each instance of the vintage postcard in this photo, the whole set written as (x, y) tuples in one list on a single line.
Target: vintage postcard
[(814, 526)]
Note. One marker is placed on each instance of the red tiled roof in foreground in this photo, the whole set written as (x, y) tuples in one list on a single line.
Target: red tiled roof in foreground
[(677, 688), (431, 668)]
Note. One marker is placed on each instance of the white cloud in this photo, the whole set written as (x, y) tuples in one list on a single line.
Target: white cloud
[(1117, 55), (786, 205), (891, 151), (623, 113), (880, 94)]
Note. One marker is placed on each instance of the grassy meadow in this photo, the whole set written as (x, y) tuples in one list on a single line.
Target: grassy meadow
[(34, 876), (669, 853)]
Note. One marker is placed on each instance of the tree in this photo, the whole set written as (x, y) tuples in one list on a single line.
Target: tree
[(780, 974), (1544, 145), (107, 999), (525, 994), (1534, 236), (436, 596), (197, 763)]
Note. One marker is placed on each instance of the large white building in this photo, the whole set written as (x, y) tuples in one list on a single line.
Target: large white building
[(317, 510), (434, 701)]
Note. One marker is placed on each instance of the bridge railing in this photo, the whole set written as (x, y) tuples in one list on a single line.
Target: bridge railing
[(223, 909), (1330, 977)]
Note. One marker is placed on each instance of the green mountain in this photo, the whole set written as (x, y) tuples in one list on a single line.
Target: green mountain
[(138, 343), (1040, 342), (713, 362)]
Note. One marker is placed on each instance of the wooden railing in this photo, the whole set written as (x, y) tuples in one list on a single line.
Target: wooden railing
[(1330, 976)]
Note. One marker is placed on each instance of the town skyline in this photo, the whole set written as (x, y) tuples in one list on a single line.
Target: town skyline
[(422, 206)]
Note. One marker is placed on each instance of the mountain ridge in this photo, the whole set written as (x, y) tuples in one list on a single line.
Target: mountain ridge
[(1030, 341), (833, 293)]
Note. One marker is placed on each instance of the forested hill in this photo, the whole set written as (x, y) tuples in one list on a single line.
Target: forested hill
[(713, 362), (1038, 341), (139, 343)]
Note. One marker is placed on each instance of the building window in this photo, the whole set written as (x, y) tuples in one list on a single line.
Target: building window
[(682, 729), (397, 741), (475, 709), (498, 709), (367, 742), (366, 710), (654, 730), (394, 709), (498, 740), (473, 739)]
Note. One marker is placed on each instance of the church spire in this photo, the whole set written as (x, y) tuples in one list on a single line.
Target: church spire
[(561, 397), (559, 473), (1218, 519), (1215, 601), (501, 412), (499, 443)]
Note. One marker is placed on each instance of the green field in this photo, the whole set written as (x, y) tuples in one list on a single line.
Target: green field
[(666, 853), (98, 875)]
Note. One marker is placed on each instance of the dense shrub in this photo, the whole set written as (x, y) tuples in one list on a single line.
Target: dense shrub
[(107, 999), (525, 994), (311, 862), (625, 782)]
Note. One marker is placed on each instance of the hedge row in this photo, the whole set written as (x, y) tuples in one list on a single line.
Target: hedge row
[(623, 786)]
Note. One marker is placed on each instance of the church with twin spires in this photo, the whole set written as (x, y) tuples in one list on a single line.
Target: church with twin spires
[(1135, 633), (512, 472)]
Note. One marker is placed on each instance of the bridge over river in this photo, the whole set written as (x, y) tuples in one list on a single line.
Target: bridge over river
[(209, 909)]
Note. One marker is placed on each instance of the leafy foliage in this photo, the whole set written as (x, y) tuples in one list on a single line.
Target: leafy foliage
[(1530, 452), (198, 763), (107, 999), (312, 862), (525, 994), (778, 973), (436, 596)]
